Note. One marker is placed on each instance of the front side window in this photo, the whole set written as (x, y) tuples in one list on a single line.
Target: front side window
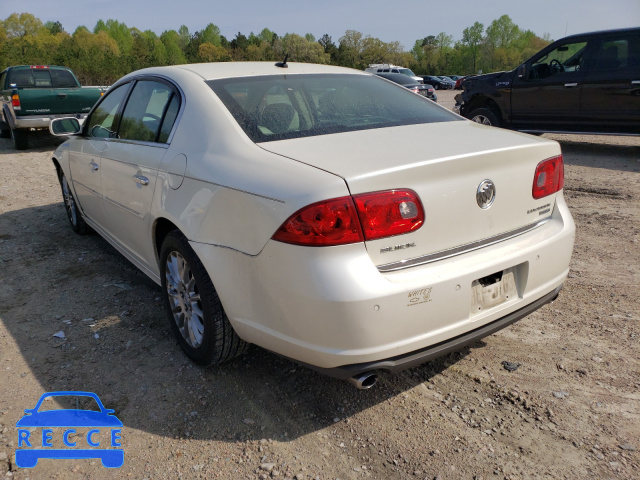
[(103, 123), (145, 109), (564, 58), (278, 107)]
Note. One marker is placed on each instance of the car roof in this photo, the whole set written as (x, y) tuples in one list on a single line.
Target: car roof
[(602, 32), (218, 70)]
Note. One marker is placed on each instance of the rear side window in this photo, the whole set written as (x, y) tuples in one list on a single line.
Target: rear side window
[(278, 107), (143, 115), (169, 118), (618, 53)]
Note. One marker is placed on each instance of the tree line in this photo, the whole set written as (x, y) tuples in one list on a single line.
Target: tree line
[(113, 49)]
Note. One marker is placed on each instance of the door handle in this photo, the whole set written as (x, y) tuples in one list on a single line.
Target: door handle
[(570, 85), (141, 180), (94, 166)]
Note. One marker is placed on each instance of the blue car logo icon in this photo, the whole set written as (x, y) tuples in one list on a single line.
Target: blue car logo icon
[(105, 428)]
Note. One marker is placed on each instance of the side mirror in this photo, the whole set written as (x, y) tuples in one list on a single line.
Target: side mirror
[(64, 126), (522, 71)]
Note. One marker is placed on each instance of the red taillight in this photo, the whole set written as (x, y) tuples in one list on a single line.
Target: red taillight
[(339, 221), (15, 101), (45, 67), (332, 222), (549, 177), (389, 213)]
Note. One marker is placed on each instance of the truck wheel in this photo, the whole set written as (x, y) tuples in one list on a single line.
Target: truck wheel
[(5, 130), (484, 116), (20, 140)]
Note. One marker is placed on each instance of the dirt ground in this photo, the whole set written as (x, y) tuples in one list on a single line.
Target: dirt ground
[(571, 410)]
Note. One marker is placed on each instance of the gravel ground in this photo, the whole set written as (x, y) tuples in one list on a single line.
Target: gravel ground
[(569, 411)]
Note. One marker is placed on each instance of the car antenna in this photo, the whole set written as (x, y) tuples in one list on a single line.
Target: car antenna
[(283, 64)]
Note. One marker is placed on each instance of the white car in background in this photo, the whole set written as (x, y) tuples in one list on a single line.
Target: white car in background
[(322, 213)]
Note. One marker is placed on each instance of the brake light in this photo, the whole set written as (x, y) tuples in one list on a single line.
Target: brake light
[(45, 67), (414, 89), (549, 177), (327, 223), (15, 101), (345, 220), (389, 213)]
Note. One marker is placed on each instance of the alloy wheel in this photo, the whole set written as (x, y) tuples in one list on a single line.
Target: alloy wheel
[(184, 299), (482, 120), (69, 202)]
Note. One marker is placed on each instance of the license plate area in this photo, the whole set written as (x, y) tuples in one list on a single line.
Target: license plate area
[(493, 290)]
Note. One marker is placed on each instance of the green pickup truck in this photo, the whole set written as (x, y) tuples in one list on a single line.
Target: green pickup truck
[(33, 95)]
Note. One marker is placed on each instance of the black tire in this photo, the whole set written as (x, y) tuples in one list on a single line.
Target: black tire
[(73, 213), (194, 310), (5, 129), (20, 140), (485, 116)]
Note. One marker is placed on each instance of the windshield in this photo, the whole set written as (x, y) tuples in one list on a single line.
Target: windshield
[(406, 71), (279, 107)]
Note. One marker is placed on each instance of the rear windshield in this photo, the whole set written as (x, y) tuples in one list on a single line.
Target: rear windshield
[(278, 107), (42, 78)]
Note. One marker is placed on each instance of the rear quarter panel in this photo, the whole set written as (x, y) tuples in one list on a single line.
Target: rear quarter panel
[(234, 193)]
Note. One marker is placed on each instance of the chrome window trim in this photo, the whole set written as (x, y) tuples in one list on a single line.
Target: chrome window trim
[(452, 252), (129, 141), (132, 81)]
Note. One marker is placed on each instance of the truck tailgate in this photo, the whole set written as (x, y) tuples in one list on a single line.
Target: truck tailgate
[(38, 101)]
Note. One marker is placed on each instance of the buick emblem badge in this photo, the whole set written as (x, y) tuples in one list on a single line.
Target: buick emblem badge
[(486, 194)]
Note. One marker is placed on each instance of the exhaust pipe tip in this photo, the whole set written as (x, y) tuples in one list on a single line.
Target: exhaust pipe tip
[(364, 381)]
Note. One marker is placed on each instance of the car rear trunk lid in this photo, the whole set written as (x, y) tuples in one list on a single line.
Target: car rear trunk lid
[(446, 165)]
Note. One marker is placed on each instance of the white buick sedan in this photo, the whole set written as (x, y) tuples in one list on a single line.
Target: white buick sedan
[(322, 213)]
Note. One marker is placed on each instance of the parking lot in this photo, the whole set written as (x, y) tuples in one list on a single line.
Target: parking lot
[(570, 409)]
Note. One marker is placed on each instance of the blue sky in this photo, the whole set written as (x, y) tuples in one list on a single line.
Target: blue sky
[(387, 20)]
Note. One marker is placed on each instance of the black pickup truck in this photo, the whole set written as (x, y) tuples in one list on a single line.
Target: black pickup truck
[(587, 83)]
